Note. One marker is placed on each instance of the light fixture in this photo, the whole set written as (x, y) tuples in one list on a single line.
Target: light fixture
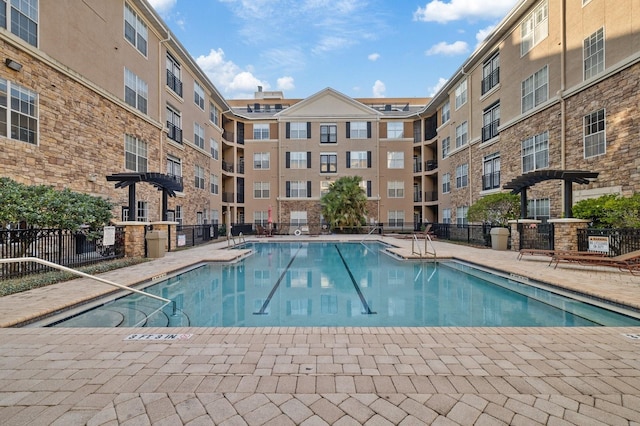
[(13, 64)]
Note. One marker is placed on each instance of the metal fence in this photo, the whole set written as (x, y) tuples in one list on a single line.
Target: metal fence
[(64, 247), (614, 241), (193, 235), (470, 234), (536, 236)]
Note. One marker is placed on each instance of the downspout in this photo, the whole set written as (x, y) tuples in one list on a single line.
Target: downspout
[(563, 124), (160, 86)]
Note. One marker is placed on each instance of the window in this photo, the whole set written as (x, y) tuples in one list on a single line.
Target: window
[(490, 122), (261, 131), (198, 135), (365, 185), (538, 209), (594, 54), (461, 215), (585, 2), (358, 129), (136, 91), (135, 31), (461, 93), (199, 177), (328, 133), (297, 130), (534, 28), (261, 218), (179, 214), (535, 90), (462, 176), (535, 152), (396, 218), (395, 160), (198, 95), (215, 216), (297, 160), (174, 166), (297, 189), (261, 160), (395, 130), (142, 211), (214, 114), (491, 73), (215, 186), (298, 218), (491, 172), (325, 185), (595, 139), (328, 163), (358, 159), (174, 125), (261, 189), (446, 112), (446, 147), (461, 135), (215, 149), (135, 154), (23, 20), (395, 189), (446, 215), (19, 116), (446, 183), (174, 75)]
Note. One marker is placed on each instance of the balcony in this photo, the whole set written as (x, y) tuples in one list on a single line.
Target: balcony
[(417, 196), (227, 166), (417, 165), (227, 197), (490, 131), (174, 132), (228, 136), (174, 83), (491, 80), (491, 181), (431, 196), (430, 165)]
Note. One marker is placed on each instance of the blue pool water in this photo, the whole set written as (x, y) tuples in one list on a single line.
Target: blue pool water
[(342, 284)]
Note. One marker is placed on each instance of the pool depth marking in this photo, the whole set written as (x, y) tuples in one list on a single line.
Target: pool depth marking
[(365, 305), (277, 284)]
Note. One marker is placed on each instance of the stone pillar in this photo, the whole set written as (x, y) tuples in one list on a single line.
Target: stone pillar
[(515, 233), (170, 229), (133, 238), (566, 232)]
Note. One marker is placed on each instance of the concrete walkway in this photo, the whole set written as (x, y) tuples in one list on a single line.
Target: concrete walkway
[(310, 376)]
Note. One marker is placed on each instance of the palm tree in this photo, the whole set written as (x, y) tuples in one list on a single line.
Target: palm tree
[(344, 206)]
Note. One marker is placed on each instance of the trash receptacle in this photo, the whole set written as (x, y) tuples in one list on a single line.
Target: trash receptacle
[(499, 238), (156, 241)]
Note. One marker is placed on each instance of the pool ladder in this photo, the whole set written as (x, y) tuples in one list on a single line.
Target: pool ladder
[(230, 238), (85, 275), (415, 246)]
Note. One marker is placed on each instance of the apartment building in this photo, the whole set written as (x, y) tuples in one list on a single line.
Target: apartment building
[(555, 87), (94, 89)]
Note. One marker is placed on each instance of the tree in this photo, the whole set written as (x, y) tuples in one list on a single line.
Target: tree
[(496, 209), (344, 206), (610, 211)]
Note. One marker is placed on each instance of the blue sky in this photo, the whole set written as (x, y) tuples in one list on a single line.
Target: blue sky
[(362, 48)]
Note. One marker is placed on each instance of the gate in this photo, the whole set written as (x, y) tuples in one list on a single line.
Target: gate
[(536, 236)]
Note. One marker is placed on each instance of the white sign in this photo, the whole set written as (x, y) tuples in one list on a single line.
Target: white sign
[(109, 237), (600, 244), (182, 240), (158, 337)]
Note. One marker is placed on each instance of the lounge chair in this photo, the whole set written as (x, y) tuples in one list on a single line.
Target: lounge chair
[(551, 253), (625, 262)]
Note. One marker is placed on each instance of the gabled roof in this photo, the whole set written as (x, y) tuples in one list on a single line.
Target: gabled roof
[(329, 103)]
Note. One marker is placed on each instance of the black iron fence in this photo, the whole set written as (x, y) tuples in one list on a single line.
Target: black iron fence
[(612, 241), (193, 235), (64, 247), (470, 234), (536, 236)]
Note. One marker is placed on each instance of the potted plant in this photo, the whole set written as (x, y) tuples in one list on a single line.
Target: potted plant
[(497, 210)]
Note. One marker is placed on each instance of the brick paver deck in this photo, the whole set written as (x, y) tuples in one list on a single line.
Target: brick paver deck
[(341, 376)]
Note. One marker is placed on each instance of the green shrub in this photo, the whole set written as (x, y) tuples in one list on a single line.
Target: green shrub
[(610, 211)]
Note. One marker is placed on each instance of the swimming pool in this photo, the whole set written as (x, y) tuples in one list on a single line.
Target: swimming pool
[(343, 284)]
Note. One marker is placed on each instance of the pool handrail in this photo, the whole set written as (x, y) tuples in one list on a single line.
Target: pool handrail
[(427, 239), (85, 275)]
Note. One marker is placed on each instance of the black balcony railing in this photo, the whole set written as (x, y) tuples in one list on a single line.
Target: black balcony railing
[(228, 136), (417, 166), (430, 165), (227, 197), (227, 166), (491, 80), (431, 195), (174, 132), (241, 167), (174, 83), (417, 197), (490, 131), (491, 181)]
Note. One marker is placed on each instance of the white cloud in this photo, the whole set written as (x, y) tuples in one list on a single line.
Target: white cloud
[(286, 83), (442, 48), (433, 90), (228, 76), (439, 11), (378, 89), (373, 57), (163, 6), (483, 33)]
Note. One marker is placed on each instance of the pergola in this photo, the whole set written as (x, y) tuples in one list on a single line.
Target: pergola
[(523, 182), (168, 184)]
